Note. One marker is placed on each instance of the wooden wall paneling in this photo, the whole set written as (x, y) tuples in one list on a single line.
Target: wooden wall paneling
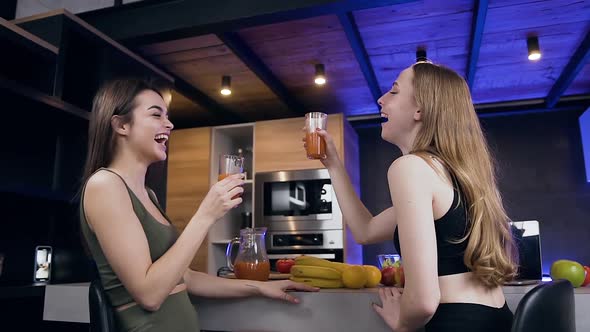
[(250, 97), (202, 61), (392, 40), (188, 180), (291, 49), (279, 146), (426, 9), (522, 81), (184, 113), (179, 45), (555, 41), (389, 60), (509, 15), (505, 73)]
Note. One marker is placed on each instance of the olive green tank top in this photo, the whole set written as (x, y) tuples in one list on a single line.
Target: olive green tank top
[(160, 238)]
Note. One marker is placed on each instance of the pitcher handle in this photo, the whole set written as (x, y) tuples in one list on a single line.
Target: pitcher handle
[(228, 250)]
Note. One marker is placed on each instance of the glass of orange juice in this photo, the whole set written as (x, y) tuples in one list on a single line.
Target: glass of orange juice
[(228, 165), (316, 145)]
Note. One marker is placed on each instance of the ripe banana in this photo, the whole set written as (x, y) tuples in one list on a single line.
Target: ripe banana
[(321, 283), (314, 261), (315, 272)]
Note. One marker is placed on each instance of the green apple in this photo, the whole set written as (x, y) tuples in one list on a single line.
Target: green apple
[(569, 270)]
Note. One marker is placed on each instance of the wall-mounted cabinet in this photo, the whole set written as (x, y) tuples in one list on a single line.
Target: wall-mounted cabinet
[(279, 146), (188, 180)]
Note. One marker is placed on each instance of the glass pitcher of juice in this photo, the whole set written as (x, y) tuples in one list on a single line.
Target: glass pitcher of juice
[(252, 261)]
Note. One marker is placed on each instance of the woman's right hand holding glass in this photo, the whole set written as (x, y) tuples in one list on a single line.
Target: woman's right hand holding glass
[(332, 158), (220, 198)]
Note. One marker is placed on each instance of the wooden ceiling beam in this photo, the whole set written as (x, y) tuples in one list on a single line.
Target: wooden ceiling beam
[(479, 19), (239, 47), (569, 73), (151, 21), (496, 109), (358, 48)]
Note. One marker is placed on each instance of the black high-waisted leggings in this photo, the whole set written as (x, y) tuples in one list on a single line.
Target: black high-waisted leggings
[(467, 317)]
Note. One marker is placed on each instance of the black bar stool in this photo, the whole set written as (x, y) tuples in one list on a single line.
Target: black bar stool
[(101, 313), (549, 307)]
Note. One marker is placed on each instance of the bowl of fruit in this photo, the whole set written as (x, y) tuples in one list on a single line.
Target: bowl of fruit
[(392, 271)]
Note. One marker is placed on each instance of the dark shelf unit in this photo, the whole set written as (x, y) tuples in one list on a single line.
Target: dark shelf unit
[(87, 55), (26, 59), (51, 68), (22, 291)]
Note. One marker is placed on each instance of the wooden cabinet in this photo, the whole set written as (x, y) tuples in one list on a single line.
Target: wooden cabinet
[(279, 146), (188, 180)]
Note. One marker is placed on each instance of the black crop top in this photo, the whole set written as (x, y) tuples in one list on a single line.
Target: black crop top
[(451, 226)]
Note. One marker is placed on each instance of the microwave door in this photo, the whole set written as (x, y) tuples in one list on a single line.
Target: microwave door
[(280, 197), (298, 199)]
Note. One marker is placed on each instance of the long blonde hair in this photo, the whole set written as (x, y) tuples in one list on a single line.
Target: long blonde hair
[(451, 132)]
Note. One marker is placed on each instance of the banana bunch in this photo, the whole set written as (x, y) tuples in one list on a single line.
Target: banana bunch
[(320, 283), (318, 272), (323, 273)]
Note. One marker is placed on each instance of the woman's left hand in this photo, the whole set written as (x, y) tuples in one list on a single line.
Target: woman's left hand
[(277, 289), (390, 309)]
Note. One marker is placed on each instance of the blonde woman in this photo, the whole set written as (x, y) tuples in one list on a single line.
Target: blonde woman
[(447, 218)]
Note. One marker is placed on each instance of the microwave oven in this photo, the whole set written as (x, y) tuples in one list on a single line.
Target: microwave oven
[(299, 200)]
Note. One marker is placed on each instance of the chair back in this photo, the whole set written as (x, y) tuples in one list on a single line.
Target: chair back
[(549, 307), (101, 313)]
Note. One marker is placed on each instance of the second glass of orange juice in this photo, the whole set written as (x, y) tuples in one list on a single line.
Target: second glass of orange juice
[(316, 145), (228, 165)]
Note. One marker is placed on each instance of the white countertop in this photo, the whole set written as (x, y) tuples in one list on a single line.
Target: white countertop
[(337, 310)]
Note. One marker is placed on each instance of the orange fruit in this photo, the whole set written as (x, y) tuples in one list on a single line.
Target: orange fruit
[(373, 276), (354, 277)]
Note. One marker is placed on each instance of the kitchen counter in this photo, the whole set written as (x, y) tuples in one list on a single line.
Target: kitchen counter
[(327, 310)]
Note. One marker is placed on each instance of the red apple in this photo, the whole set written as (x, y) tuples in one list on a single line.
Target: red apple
[(587, 279), (284, 265), (388, 276)]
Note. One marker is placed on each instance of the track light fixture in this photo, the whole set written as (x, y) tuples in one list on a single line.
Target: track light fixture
[(320, 74), (532, 44), (421, 55), (226, 85)]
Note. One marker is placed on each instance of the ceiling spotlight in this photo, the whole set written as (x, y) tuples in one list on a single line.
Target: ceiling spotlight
[(532, 44), (226, 85), (167, 96), (320, 74), (421, 55)]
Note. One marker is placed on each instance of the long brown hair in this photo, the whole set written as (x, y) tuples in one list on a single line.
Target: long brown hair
[(116, 97), (451, 132)]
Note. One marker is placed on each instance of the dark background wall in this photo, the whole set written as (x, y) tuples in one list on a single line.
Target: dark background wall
[(541, 177)]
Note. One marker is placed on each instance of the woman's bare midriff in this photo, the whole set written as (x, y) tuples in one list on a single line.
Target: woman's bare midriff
[(177, 289), (465, 288)]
